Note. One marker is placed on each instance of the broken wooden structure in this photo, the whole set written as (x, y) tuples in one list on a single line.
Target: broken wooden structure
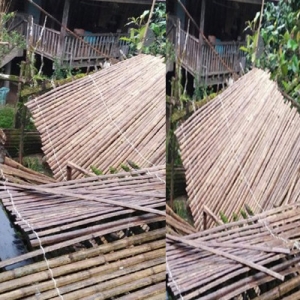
[(104, 236), (106, 118), (241, 149), (256, 258), (17, 173)]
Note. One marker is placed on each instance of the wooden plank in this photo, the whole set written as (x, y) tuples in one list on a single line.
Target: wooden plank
[(62, 192), (228, 255)]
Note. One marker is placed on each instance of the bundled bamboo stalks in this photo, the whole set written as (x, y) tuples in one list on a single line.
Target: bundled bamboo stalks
[(241, 148), (242, 257), (66, 213), (106, 118), (114, 269)]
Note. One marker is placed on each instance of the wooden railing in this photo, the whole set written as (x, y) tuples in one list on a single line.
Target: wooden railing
[(46, 42), (200, 60), (103, 45), (189, 51), (229, 52), (18, 24)]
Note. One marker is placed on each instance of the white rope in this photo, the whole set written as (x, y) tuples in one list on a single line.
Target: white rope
[(172, 279), (32, 229), (122, 132), (241, 169)]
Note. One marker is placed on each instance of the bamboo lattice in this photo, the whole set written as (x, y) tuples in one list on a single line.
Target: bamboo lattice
[(271, 251), (104, 119), (97, 250), (242, 148)]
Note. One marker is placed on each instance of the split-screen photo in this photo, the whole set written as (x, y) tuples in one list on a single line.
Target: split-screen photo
[(149, 149)]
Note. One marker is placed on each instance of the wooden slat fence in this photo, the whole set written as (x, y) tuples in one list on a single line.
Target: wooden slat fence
[(32, 142), (108, 45)]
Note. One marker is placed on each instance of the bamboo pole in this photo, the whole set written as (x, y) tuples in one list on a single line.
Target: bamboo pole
[(61, 192), (229, 256)]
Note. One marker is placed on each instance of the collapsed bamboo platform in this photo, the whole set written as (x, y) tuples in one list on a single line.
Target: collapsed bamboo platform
[(242, 148), (104, 237), (256, 257), (17, 173), (106, 118)]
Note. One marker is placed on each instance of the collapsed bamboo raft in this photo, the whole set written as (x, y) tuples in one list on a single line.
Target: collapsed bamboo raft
[(242, 148), (96, 249), (129, 268), (77, 209), (17, 173), (257, 258), (106, 118)]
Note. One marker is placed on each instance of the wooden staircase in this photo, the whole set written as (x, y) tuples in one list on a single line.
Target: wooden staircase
[(10, 56)]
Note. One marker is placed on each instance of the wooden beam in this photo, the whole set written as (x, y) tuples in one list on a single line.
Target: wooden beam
[(202, 20), (63, 28), (65, 193), (202, 245)]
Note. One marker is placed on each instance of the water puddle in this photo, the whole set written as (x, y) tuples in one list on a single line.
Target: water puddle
[(11, 244)]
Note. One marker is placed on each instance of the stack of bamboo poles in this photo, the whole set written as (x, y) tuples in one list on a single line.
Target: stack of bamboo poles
[(120, 218), (71, 212), (16, 173), (242, 148), (131, 268), (244, 257), (176, 225), (106, 118)]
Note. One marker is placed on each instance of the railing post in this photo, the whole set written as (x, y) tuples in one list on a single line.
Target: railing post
[(65, 17)]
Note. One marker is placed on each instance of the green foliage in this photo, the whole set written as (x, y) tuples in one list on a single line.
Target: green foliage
[(96, 171), (280, 32), (223, 218), (13, 38), (63, 72), (33, 163), (125, 168), (7, 116), (113, 170), (235, 217), (157, 26), (133, 165)]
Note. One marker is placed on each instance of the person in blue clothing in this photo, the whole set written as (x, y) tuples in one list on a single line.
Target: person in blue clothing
[(87, 35), (215, 41)]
